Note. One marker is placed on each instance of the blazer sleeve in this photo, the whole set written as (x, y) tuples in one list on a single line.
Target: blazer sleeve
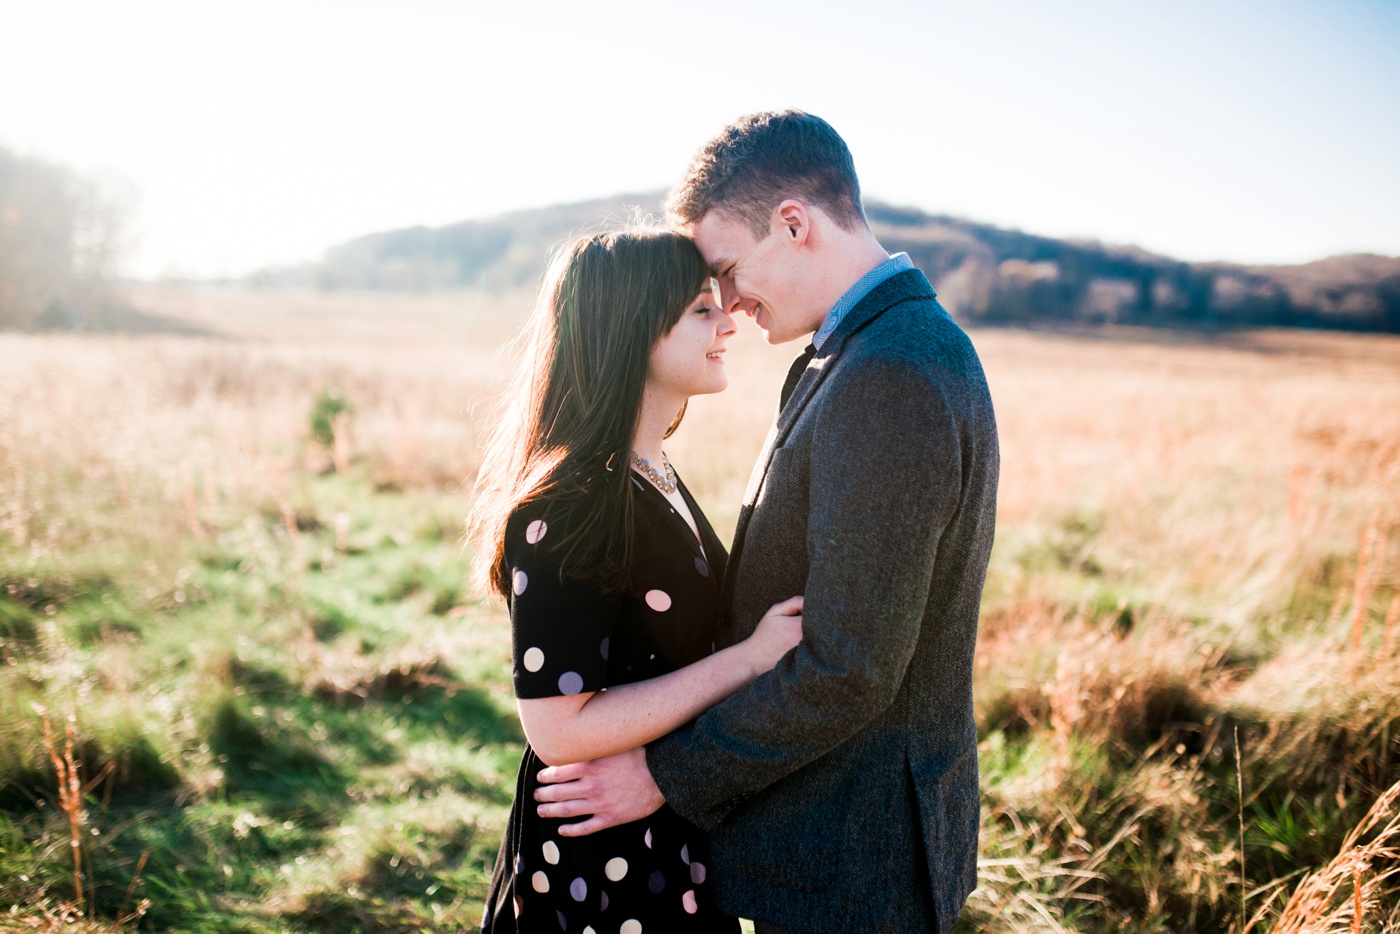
[(886, 473)]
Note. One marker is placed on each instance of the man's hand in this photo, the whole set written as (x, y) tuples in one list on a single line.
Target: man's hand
[(616, 789)]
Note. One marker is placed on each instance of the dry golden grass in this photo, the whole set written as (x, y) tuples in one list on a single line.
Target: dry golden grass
[(1352, 887), (1214, 466), (169, 430)]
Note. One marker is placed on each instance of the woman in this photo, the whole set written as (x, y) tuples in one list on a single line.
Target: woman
[(611, 573)]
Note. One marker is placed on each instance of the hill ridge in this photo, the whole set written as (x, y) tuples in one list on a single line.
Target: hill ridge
[(983, 273)]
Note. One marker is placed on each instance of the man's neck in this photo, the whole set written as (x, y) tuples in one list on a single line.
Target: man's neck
[(852, 254)]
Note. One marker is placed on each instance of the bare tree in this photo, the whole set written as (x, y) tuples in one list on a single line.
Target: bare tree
[(62, 237)]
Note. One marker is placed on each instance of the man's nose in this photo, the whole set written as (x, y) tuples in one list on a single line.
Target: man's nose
[(729, 299)]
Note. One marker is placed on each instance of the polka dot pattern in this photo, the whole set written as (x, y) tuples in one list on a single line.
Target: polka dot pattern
[(697, 873), (558, 623), (568, 637)]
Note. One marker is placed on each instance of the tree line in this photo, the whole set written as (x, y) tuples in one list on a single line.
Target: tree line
[(983, 274), (988, 275), (61, 238)]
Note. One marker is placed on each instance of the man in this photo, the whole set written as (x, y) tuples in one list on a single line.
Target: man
[(840, 789)]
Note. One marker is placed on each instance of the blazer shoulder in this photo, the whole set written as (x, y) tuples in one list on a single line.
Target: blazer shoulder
[(917, 327), (917, 347)]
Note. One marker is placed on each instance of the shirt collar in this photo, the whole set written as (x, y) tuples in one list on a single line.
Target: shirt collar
[(897, 263)]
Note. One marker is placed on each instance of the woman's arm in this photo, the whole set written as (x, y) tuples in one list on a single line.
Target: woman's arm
[(576, 727)]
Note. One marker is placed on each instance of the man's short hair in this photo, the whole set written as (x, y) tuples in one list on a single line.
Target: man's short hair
[(760, 160)]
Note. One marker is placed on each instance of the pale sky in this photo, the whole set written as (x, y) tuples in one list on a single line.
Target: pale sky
[(264, 131)]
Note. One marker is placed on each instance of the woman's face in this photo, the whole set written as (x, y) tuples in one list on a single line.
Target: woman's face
[(688, 360)]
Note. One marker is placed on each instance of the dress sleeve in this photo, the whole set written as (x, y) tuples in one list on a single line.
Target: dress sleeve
[(559, 628)]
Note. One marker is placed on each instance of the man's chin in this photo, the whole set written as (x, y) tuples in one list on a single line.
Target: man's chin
[(771, 336), (777, 337)]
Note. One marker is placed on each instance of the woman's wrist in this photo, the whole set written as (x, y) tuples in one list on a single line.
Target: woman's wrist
[(747, 655)]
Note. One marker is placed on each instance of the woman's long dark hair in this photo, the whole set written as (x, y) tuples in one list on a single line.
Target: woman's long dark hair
[(567, 435)]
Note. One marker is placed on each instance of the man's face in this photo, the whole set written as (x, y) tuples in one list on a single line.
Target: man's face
[(761, 278)]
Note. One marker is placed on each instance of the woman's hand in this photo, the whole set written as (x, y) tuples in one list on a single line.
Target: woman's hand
[(778, 633)]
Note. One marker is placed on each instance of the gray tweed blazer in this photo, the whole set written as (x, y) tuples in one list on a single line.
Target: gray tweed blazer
[(840, 788)]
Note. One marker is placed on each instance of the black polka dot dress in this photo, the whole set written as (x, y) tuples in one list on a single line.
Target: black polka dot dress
[(648, 877)]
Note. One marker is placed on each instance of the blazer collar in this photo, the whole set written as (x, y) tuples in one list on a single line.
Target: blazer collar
[(911, 283), (902, 286)]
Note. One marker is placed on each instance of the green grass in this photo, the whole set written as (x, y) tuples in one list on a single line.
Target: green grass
[(308, 726), (294, 742)]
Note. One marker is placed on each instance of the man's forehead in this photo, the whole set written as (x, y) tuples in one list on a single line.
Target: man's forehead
[(720, 238)]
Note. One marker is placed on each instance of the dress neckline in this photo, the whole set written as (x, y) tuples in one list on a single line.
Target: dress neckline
[(696, 536)]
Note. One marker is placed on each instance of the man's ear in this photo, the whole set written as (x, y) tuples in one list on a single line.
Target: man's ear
[(793, 221)]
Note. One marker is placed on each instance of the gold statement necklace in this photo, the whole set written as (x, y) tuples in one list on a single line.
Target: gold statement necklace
[(666, 482)]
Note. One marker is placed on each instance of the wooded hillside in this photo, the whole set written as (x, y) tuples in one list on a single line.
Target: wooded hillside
[(984, 274)]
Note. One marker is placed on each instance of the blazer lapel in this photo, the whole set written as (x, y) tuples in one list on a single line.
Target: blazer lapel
[(897, 288), (887, 294), (811, 377)]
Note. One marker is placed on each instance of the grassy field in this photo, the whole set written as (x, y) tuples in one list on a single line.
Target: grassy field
[(245, 687)]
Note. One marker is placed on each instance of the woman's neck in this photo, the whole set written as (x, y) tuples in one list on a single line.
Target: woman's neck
[(657, 415)]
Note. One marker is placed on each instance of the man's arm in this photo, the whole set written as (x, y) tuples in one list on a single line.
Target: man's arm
[(886, 476)]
